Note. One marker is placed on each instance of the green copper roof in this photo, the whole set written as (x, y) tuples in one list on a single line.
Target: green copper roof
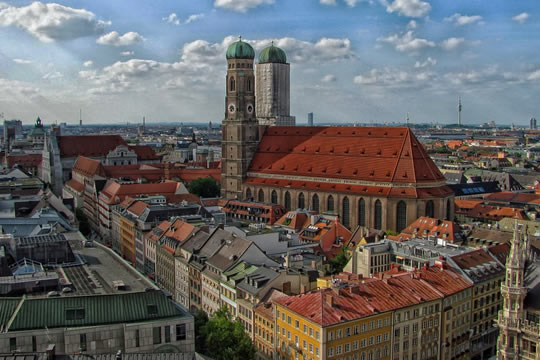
[(240, 50), (273, 54)]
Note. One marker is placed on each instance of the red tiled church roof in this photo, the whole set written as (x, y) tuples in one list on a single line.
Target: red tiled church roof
[(24, 160), (144, 152), (91, 145), (88, 167), (378, 154)]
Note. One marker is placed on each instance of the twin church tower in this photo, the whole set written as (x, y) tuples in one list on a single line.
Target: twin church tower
[(252, 102)]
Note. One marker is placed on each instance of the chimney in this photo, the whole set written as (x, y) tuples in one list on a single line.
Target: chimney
[(286, 288), (314, 264), (329, 300), (425, 267), (303, 289), (313, 219)]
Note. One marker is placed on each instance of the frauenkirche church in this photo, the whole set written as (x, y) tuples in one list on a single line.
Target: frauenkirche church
[(375, 177)]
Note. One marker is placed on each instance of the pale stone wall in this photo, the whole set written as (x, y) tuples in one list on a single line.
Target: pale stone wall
[(273, 94)]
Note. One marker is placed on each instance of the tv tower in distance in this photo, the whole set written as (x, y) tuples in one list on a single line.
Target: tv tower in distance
[(459, 111)]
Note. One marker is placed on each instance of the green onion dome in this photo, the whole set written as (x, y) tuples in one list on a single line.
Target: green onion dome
[(240, 50), (273, 54)]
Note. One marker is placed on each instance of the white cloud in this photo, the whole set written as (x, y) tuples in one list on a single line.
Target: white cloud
[(328, 2), (328, 78), (22, 61), (412, 25), (521, 18), (490, 76), (201, 62), (241, 5), (410, 8), (452, 43), (407, 42), (393, 78), (115, 39), (193, 18), (127, 53), (51, 22), (16, 91), (353, 3), (535, 75), (88, 63), (172, 19), (429, 62), (53, 75), (460, 20)]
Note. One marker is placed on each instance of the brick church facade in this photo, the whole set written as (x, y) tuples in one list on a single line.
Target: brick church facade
[(374, 177)]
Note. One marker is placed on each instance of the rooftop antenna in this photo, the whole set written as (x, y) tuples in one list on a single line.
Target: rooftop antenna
[(80, 117), (459, 111), (143, 122), (407, 119)]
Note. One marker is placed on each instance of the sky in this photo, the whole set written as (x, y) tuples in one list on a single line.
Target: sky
[(352, 61)]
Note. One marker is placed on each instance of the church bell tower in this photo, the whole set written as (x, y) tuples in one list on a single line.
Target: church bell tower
[(240, 126)]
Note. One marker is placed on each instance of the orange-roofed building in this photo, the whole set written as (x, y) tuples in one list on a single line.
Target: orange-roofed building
[(488, 214), (114, 193), (427, 227), (150, 244), (31, 163), (178, 232), (328, 232), (83, 175), (294, 220), (370, 318)]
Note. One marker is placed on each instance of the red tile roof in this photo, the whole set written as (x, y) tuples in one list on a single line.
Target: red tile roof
[(114, 193), (513, 197), (466, 204), (144, 152), (158, 231), (296, 220), (24, 160), (387, 154), (75, 185), (427, 226), (138, 207), (357, 300), (90, 145), (88, 167), (500, 251), (179, 230), (490, 212), (157, 172)]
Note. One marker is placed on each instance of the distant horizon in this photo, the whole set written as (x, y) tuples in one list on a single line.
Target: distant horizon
[(350, 59)]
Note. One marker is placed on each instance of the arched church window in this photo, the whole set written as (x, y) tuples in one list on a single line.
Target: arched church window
[(330, 203), (287, 201), (274, 197), (301, 201), (430, 208), (361, 212), (315, 203), (378, 215), (248, 194), (249, 84), (232, 85), (261, 195), (346, 212), (448, 210), (401, 216)]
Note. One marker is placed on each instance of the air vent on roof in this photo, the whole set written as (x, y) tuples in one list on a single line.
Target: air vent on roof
[(369, 133), (310, 168), (385, 133), (394, 153), (371, 173), (355, 172), (388, 173), (379, 152), (362, 151), (338, 171), (297, 132), (339, 132), (324, 170), (268, 148), (405, 174), (346, 150), (354, 132), (283, 167), (332, 150), (277, 149), (304, 149), (318, 149), (285, 132)]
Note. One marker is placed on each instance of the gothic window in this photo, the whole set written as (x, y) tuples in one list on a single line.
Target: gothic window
[(361, 212), (248, 194), (301, 201), (448, 210), (315, 203), (274, 197), (401, 216), (287, 201), (346, 212), (378, 215), (330, 204), (430, 209), (249, 84), (232, 85), (261, 195)]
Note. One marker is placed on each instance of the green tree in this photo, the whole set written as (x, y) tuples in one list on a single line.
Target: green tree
[(201, 319), (337, 264), (205, 187), (226, 339), (84, 226)]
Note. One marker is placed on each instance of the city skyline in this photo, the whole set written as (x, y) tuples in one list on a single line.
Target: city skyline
[(351, 60)]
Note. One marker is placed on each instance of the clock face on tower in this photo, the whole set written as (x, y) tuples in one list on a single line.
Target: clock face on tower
[(232, 108), (250, 108)]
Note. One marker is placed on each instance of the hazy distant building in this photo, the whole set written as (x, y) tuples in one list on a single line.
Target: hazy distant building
[(273, 88), (310, 119), (12, 129), (533, 124)]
